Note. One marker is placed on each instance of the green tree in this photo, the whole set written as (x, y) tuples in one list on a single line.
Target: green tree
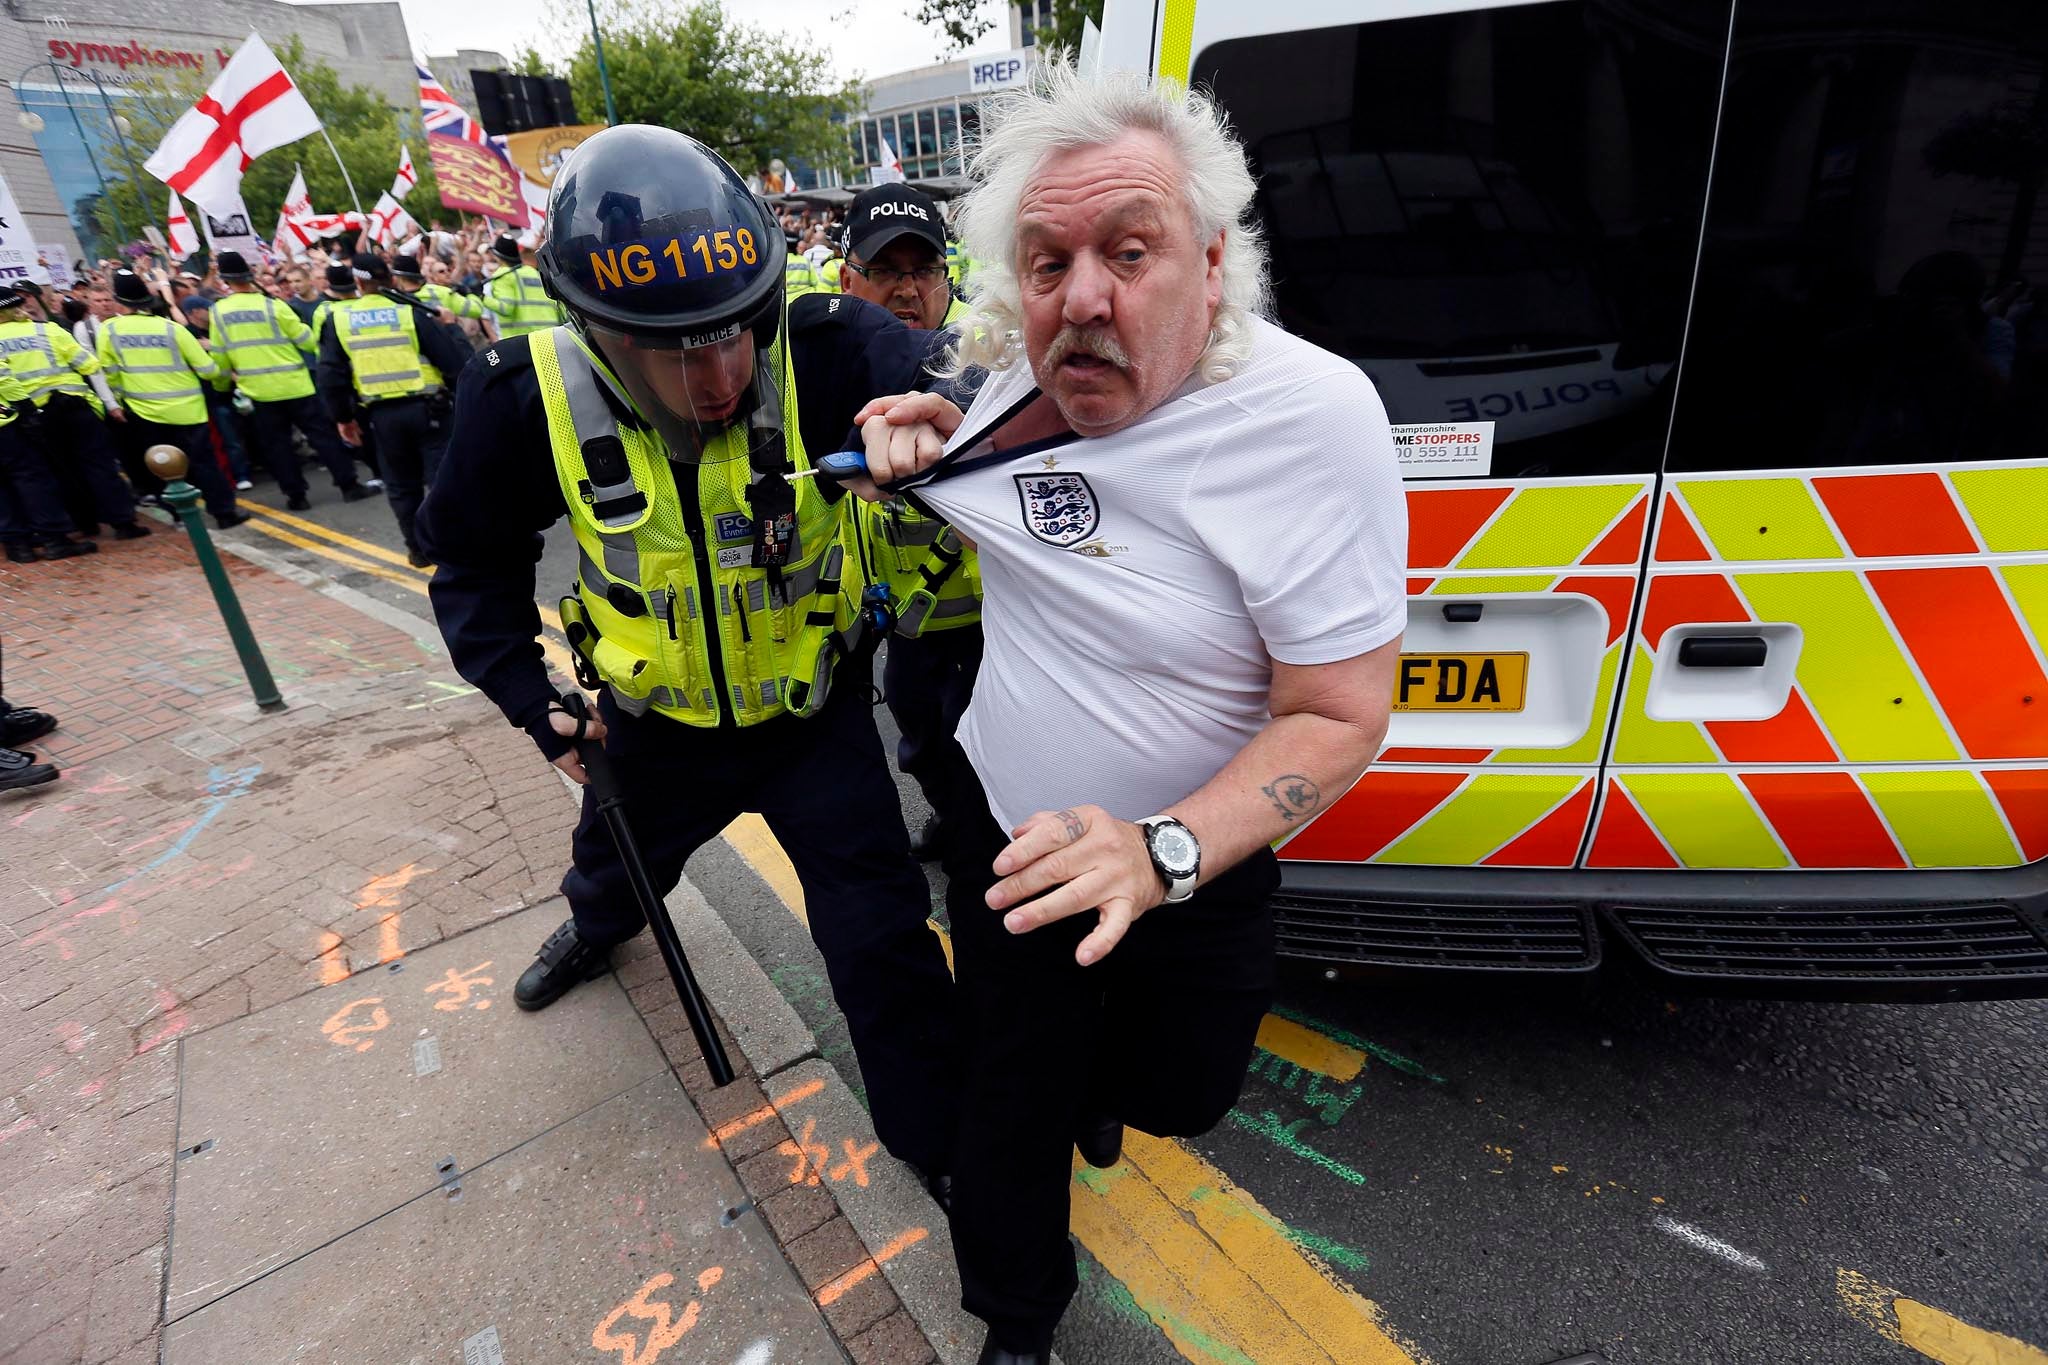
[(963, 23), (1068, 16), (366, 132), (748, 94)]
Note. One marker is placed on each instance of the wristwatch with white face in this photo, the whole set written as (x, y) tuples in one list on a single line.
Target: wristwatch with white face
[(1176, 854)]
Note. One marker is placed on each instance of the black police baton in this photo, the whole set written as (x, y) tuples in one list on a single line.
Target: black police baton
[(604, 786)]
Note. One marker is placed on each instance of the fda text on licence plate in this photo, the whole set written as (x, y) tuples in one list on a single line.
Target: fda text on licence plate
[(1461, 682)]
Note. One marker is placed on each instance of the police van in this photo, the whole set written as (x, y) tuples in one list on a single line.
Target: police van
[(1715, 333)]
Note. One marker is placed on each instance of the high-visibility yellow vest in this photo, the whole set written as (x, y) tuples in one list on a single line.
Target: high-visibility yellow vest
[(383, 345), (798, 277), (934, 580), (156, 367), (682, 623), (520, 303), (47, 359), (13, 396), (262, 343), (460, 304), (828, 275)]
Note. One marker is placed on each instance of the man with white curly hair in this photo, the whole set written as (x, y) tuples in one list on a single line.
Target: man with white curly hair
[(1192, 537)]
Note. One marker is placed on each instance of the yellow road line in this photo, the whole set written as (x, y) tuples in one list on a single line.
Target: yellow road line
[(412, 579), (1213, 1269), (342, 538), (1929, 1331), (1310, 1050)]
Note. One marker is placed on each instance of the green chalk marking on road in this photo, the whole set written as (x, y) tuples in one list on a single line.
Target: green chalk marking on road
[(1336, 1253), (1365, 1045), (1115, 1296), (1286, 1136)]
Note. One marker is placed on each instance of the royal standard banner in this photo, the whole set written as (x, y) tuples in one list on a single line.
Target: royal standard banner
[(475, 179)]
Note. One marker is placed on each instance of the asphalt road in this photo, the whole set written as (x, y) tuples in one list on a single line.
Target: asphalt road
[(1518, 1175)]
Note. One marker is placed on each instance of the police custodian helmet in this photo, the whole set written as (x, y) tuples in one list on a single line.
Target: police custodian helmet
[(651, 234)]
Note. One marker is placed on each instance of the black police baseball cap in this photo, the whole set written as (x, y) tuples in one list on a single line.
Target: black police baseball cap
[(232, 266), (129, 288), (371, 268), (11, 298), (883, 213)]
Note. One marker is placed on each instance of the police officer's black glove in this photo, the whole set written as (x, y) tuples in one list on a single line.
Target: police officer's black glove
[(552, 746)]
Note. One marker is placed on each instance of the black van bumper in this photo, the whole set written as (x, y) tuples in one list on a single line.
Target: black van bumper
[(1936, 935)]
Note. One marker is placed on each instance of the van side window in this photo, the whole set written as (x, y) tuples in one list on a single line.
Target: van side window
[(1495, 213), (1877, 241)]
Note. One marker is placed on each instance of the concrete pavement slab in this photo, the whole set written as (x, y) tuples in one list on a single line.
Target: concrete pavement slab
[(307, 1120), (606, 1238)]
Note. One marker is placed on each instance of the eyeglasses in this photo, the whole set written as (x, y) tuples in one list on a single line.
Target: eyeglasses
[(924, 277)]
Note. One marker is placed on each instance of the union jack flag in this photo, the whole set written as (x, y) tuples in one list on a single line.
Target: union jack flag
[(441, 114)]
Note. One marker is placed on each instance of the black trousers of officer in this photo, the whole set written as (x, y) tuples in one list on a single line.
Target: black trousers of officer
[(31, 504), (1157, 1034), (271, 424), (202, 470), (824, 789), (928, 680), (88, 469), (410, 440)]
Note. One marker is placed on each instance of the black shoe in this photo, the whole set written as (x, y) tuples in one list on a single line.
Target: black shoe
[(20, 724), (130, 530), (1101, 1141), (992, 1354), (23, 554), (231, 519), (564, 961), (298, 503), (939, 1187), (70, 549), (355, 492), (929, 843), (417, 557), (18, 769)]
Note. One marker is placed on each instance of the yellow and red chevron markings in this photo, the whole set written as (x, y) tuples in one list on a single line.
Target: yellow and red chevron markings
[(1916, 734)]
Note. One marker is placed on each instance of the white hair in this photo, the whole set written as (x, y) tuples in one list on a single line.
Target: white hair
[(1062, 110)]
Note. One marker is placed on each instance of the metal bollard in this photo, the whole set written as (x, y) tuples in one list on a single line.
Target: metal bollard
[(168, 463)]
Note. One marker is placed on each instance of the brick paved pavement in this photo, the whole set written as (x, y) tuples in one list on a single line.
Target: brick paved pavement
[(201, 860)]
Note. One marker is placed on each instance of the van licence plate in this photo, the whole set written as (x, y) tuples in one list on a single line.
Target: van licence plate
[(1461, 682)]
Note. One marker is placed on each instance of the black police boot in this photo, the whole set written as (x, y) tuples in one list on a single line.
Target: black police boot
[(355, 492), (20, 724), (939, 1187), (22, 554), (1101, 1141), (18, 769), (564, 961), (229, 520), (299, 502), (70, 549), (928, 844), (129, 530), (992, 1354)]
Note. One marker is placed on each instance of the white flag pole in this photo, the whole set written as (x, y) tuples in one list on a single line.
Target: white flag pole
[(344, 171)]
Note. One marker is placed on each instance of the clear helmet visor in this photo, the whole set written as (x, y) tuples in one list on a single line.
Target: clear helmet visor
[(696, 395)]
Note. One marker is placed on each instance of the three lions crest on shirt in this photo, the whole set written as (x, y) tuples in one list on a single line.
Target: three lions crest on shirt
[(1059, 509)]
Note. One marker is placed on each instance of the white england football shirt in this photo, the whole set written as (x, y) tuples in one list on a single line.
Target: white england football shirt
[(1137, 586)]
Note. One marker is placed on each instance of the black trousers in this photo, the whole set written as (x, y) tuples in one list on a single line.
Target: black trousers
[(82, 456), (824, 789), (928, 681), (202, 470), (31, 505), (409, 445), (271, 424), (1158, 1035)]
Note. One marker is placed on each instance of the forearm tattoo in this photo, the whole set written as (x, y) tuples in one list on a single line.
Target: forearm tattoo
[(1294, 796), (1075, 829)]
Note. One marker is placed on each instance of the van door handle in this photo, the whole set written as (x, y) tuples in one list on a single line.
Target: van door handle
[(1723, 651)]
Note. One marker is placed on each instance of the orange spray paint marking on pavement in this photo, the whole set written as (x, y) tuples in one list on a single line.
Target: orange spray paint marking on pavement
[(666, 1326), (382, 892), (834, 1290), (458, 985), (725, 1132), (811, 1156), (333, 967), (342, 1033)]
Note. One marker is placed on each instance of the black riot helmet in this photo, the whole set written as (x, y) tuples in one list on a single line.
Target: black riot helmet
[(670, 267)]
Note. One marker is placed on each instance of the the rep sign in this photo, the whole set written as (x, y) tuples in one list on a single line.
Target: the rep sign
[(997, 70)]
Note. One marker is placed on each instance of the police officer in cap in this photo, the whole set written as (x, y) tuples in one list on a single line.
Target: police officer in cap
[(514, 295), (717, 604), (384, 360), (159, 372), (261, 343)]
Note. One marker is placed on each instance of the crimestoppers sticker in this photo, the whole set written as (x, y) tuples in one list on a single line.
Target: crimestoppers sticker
[(1444, 450)]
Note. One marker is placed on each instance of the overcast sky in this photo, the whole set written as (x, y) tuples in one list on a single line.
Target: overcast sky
[(867, 38)]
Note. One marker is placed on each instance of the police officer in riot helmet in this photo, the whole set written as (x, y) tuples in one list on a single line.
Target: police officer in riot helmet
[(717, 608)]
